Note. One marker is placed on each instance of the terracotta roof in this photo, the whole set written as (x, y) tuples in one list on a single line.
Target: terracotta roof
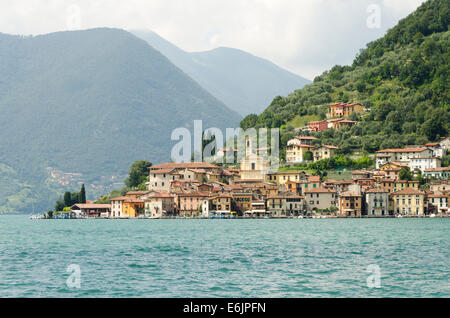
[(432, 144), (350, 194), (130, 200), (193, 194), (121, 198), (438, 195), (162, 195), (286, 196), (320, 190), (438, 169), (402, 150), (161, 171), (377, 190), (314, 179), (408, 191)]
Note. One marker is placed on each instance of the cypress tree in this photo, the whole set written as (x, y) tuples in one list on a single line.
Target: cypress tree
[(67, 199), (82, 194)]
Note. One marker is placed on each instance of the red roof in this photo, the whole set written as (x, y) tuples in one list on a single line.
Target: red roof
[(438, 169), (409, 191), (377, 190), (314, 179), (320, 190)]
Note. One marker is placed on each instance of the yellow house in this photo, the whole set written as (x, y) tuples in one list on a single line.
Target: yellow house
[(409, 202), (344, 109), (281, 178), (132, 208)]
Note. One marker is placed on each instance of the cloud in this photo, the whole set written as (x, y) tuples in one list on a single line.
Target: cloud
[(304, 36)]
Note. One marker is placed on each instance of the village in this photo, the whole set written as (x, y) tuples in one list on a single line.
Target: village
[(206, 190)]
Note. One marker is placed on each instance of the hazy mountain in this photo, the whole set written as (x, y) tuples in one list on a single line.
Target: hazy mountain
[(244, 82), (90, 102)]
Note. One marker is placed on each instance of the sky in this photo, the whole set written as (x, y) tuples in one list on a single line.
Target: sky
[(305, 37)]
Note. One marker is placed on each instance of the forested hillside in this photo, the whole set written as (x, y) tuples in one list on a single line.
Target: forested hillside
[(402, 78)]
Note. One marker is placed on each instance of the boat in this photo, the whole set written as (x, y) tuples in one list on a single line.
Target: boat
[(300, 217), (433, 215)]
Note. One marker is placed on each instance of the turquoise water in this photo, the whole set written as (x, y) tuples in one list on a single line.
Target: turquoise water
[(224, 258)]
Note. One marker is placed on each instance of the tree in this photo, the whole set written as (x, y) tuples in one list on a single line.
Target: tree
[(308, 156), (59, 206), (249, 121), (405, 174), (82, 197), (67, 200), (138, 173)]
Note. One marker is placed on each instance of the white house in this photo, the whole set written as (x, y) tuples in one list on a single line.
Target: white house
[(424, 163)]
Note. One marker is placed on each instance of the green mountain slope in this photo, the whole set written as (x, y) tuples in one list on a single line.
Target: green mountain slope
[(403, 78), (243, 82), (91, 102)]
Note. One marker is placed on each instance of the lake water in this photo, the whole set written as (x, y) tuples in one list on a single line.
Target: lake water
[(224, 258)]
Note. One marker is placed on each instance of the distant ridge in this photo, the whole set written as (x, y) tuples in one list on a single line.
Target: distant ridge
[(243, 82)]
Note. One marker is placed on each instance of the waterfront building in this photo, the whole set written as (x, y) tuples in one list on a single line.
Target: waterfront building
[(117, 206), (160, 205), (132, 208), (350, 204), (222, 203), (409, 202), (320, 199), (285, 205), (243, 200), (439, 202), (91, 210), (190, 204), (377, 202)]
